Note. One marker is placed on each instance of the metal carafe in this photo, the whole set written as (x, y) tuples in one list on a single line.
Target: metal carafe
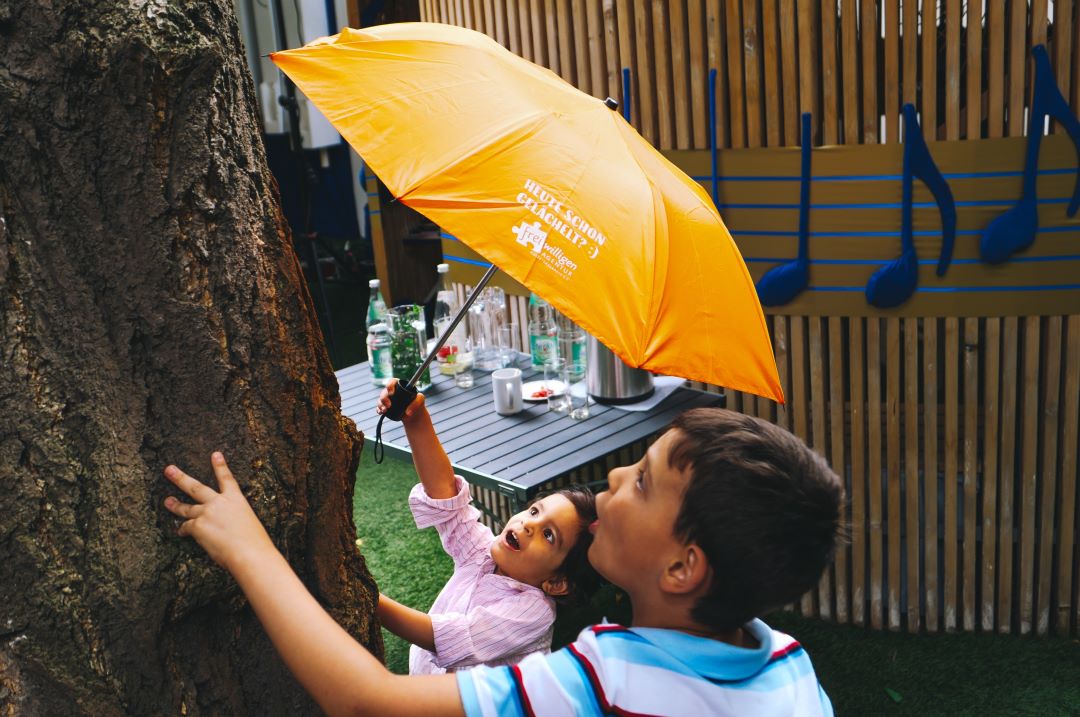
[(609, 380)]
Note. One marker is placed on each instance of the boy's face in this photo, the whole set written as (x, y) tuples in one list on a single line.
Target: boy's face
[(535, 542), (634, 532)]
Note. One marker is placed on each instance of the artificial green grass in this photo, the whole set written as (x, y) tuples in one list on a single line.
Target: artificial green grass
[(863, 672)]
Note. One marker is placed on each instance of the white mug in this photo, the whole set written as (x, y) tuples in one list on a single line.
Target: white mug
[(506, 390)]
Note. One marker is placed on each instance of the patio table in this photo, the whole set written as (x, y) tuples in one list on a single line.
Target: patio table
[(514, 455)]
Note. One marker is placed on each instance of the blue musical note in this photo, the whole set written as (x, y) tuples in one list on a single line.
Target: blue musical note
[(783, 283), (1015, 230), (894, 283)]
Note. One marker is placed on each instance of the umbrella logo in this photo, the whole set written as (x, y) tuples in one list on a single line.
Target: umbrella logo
[(530, 235)]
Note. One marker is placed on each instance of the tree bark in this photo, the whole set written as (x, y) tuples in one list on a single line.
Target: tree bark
[(151, 311)]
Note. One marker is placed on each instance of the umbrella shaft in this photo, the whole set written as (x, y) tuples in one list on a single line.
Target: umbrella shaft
[(453, 324)]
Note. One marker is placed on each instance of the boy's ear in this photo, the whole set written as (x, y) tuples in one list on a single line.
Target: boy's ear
[(688, 572), (556, 586)]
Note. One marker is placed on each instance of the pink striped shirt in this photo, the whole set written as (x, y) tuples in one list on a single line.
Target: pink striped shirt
[(479, 617)]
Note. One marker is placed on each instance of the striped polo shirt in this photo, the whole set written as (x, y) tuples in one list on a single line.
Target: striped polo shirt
[(614, 670)]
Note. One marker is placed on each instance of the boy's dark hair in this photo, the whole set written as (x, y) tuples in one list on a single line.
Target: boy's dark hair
[(582, 580), (765, 509)]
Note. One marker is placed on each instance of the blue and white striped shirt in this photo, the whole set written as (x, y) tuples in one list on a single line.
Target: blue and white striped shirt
[(612, 669)]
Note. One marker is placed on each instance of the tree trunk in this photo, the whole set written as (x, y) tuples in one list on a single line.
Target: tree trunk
[(151, 311)]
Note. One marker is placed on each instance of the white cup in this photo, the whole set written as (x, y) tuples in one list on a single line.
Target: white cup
[(506, 390)]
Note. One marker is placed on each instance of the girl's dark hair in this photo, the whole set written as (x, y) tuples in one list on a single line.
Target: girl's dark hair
[(766, 510), (581, 579)]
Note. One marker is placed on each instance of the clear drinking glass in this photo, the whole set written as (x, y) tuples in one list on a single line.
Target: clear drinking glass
[(556, 382), (508, 334), (578, 397)]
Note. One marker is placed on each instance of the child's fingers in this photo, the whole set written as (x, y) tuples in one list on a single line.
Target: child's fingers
[(184, 510), (185, 528), (416, 405), (224, 476), (196, 490)]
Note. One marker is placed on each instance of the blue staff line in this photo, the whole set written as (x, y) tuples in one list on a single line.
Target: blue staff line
[(871, 177), (960, 289), (926, 233), (875, 262), (891, 205)]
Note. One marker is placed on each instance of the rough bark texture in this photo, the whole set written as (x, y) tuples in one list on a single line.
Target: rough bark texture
[(151, 310)]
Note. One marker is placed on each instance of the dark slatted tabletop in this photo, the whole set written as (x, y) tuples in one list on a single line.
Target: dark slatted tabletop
[(511, 454)]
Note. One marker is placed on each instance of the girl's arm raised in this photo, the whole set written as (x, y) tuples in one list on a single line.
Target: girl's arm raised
[(343, 677), (431, 462)]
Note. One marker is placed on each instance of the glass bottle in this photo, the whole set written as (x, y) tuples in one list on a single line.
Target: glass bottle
[(376, 308), (380, 357), (408, 344), (543, 332), (571, 347)]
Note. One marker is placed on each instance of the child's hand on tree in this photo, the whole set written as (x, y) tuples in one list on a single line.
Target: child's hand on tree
[(223, 523)]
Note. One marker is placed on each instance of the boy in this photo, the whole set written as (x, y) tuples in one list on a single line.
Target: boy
[(725, 518)]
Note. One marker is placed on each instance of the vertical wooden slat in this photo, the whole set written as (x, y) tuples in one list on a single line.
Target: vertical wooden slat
[(1062, 50), (665, 100), (567, 57), (931, 471), (539, 36), (995, 69), (952, 437), (1029, 466), (501, 34), (809, 30), (868, 34), (513, 27), (551, 37), (928, 106), (770, 43), (1017, 57), (911, 467), (751, 45), (972, 346), (647, 98), (489, 17), (874, 471), (1037, 20), (714, 41), (680, 73), (891, 11), (611, 50), (892, 470), (789, 65), (467, 16), (991, 433), (1069, 448), (597, 64), (1048, 483), (736, 94), (1006, 471), (974, 69), (910, 27), (856, 368), (579, 27), (952, 69), (830, 96), (699, 73), (525, 30), (780, 347), (837, 454), (799, 399), (819, 442), (849, 70)]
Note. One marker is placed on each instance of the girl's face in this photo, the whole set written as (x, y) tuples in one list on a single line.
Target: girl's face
[(535, 542)]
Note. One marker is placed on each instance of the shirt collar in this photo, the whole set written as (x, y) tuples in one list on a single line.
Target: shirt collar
[(712, 658)]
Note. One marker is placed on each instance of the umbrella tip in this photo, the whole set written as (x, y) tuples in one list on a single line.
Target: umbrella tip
[(612, 103)]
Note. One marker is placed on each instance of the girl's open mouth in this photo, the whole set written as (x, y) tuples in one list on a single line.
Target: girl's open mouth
[(512, 540)]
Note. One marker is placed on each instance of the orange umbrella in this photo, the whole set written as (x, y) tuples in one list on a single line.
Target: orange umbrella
[(550, 185)]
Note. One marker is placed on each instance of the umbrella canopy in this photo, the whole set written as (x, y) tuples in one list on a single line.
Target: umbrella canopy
[(552, 186)]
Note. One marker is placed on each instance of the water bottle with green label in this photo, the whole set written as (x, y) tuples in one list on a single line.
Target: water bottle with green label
[(543, 332)]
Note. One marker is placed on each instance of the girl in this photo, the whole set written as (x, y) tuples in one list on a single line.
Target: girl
[(499, 605)]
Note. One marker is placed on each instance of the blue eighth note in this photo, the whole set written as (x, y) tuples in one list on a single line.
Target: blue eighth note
[(783, 283), (894, 283), (1015, 230)]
